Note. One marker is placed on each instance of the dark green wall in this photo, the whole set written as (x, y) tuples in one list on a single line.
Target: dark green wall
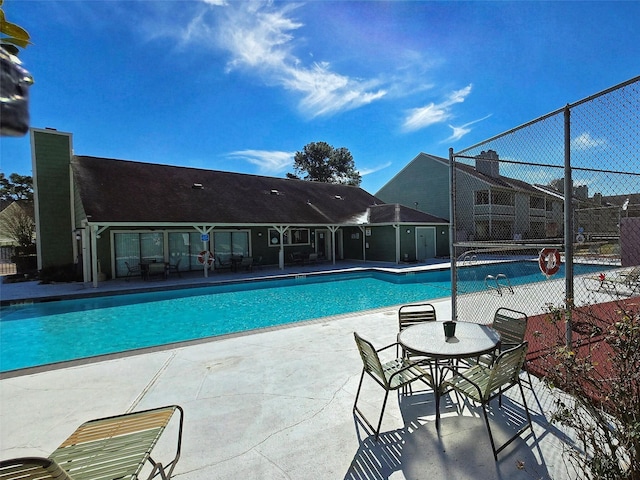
[(51, 159), (382, 244), (352, 243), (407, 243)]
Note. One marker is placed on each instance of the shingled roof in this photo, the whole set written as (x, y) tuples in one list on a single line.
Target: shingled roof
[(499, 181), (117, 191), (396, 213)]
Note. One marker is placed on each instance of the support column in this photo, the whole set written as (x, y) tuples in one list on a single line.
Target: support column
[(364, 244), (397, 229), (94, 255), (333, 229), (280, 229), (205, 247)]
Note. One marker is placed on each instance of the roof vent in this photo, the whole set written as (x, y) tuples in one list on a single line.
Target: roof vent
[(275, 192), (197, 186)]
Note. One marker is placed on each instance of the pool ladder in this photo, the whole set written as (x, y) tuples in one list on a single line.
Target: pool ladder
[(501, 282), (470, 258)]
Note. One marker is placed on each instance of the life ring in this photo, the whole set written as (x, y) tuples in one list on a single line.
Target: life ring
[(201, 257), (549, 261)]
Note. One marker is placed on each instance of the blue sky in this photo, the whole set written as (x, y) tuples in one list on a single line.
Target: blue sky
[(241, 86)]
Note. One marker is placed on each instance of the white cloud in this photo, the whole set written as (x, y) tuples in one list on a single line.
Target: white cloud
[(267, 161), (423, 117), (585, 141), (459, 132), (260, 39), (325, 92), (369, 171)]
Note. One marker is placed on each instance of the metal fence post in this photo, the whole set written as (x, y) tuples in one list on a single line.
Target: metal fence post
[(452, 233), (568, 224)]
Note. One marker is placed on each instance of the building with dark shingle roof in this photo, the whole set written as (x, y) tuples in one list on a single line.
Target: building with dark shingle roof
[(110, 215), (489, 206)]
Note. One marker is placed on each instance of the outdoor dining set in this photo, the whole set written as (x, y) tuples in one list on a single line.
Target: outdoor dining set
[(478, 362)]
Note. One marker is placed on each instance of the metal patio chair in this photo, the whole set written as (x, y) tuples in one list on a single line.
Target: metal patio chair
[(132, 271), (391, 375), (174, 268), (482, 384), (512, 327), (414, 314)]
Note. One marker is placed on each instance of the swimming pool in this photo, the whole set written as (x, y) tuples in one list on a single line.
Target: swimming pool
[(44, 333)]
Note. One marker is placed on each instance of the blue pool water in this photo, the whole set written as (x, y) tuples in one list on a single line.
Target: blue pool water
[(43, 333)]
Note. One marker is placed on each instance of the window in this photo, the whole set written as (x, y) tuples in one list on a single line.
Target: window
[(127, 249), (152, 246), (299, 236), (179, 247), (226, 244), (136, 247), (482, 197), (502, 198), (482, 230), (293, 236), (536, 202), (501, 230), (537, 230)]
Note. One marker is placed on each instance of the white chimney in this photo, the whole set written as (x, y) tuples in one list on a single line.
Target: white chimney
[(487, 163)]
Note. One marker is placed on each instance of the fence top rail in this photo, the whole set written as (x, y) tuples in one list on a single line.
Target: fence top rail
[(485, 246), (551, 114)]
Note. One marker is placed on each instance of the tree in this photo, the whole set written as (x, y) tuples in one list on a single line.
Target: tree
[(17, 219), (16, 187), (320, 162), (17, 223)]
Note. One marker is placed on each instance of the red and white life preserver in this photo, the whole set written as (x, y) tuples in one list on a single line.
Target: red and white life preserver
[(208, 255), (549, 261)]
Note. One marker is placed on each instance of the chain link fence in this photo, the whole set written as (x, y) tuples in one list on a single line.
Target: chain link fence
[(548, 214)]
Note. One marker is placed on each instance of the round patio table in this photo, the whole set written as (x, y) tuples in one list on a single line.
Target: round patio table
[(427, 339)]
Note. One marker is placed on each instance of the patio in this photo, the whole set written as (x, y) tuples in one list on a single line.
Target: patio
[(278, 405)]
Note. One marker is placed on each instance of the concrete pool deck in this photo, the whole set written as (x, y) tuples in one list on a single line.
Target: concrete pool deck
[(277, 404)]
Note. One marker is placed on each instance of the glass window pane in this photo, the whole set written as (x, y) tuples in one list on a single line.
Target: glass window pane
[(274, 237), (127, 249), (152, 246), (196, 248), (179, 245), (300, 236), (222, 245), (240, 242)]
